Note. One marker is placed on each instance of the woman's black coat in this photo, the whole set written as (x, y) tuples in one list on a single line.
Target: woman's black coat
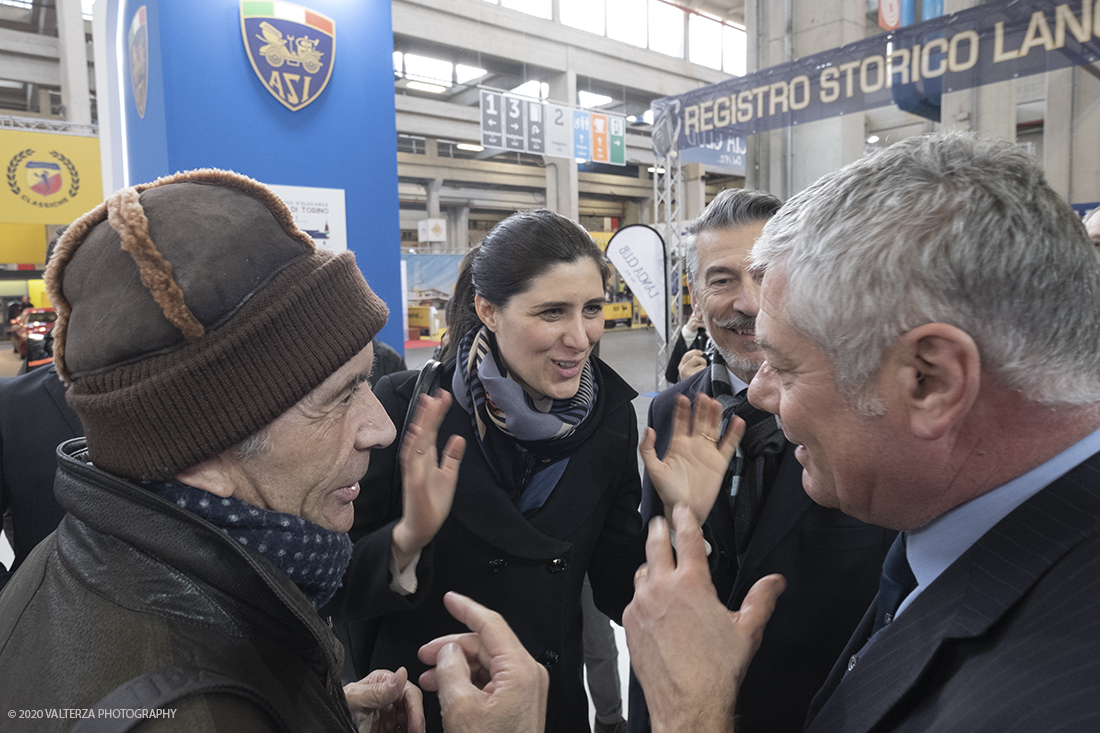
[(529, 568)]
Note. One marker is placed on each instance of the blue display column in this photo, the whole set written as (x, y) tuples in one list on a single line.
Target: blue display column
[(307, 102)]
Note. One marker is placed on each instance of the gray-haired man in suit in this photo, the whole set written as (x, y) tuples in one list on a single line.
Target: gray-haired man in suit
[(930, 321)]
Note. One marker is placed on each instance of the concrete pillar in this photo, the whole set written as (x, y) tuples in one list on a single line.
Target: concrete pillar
[(636, 212), (458, 229), (758, 154), (431, 190), (1085, 173), (785, 161), (563, 86), (75, 88), (695, 190), (1058, 130), (988, 110), (1071, 148), (562, 192), (44, 101)]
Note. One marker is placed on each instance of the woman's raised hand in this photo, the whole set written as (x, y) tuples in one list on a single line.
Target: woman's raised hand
[(695, 462), (428, 481)]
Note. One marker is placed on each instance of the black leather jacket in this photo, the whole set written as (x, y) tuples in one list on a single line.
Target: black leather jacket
[(131, 583)]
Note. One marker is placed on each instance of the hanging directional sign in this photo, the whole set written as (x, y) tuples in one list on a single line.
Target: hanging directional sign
[(582, 131), (616, 140), (515, 124), (559, 131), (530, 126), (536, 128), (599, 138), (492, 119)]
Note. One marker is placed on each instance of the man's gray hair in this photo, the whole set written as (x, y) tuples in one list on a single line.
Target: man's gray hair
[(942, 229), (731, 209)]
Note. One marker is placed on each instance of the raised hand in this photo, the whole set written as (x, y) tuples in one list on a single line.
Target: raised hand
[(428, 482), (695, 462), (692, 362), (689, 651), (384, 701), (487, 681)]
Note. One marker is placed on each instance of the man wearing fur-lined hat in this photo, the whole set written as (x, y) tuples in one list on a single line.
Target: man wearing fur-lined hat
[(218, 362)]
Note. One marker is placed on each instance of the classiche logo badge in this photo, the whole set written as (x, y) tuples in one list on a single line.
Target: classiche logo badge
[(291, 49), (43, 180)]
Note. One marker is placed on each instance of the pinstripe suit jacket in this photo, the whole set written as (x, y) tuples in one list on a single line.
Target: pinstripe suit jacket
[(1007, 639)]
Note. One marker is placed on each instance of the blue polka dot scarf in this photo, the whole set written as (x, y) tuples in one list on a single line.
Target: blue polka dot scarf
[(313, 557)]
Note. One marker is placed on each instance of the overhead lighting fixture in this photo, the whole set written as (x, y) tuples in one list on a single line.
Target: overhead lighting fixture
[(647, 117), (873, 139), (465, 74), (471, 147), (651, 169), (588, 99), (426, 69), (534, 89), (421, 86), (581, 161)]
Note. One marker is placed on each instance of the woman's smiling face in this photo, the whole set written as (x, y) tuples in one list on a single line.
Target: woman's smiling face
[(546, 333)]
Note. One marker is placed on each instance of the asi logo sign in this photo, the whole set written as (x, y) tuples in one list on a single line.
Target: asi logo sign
[(43, 179), (291, 48)]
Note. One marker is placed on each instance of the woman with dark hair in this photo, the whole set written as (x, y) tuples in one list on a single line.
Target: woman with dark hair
[(548, 488)]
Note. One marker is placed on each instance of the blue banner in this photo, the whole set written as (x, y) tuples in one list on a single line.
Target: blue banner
[(305, 101), (982, 45)]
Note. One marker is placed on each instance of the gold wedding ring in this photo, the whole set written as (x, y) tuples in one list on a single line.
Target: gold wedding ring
[(712, 440)]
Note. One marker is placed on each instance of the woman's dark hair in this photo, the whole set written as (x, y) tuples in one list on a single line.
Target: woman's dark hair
[(512, 255), (460, 313)]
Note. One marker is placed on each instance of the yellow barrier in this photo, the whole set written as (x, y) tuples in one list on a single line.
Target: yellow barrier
[(419, 316), (614, 313)]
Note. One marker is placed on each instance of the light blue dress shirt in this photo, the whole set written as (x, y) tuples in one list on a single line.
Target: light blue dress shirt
[(736, 383), (932, 548)]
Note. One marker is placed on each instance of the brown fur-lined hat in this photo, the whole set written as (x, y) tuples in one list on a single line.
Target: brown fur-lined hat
[(192, 312)]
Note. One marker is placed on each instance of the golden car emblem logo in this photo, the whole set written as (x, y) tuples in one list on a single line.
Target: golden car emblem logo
[(291, 49)]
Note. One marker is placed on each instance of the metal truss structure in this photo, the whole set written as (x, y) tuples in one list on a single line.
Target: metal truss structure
[(57, 127), (668, 220)]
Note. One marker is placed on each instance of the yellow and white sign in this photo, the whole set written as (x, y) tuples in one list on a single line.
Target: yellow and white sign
[(50, 179)]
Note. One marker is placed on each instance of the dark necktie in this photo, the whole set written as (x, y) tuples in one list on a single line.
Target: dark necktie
[(896, 583), (751, 470)]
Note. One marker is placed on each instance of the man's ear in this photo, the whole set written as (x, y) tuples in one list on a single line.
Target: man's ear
[(487, 312), (211, 475), (939, 376)]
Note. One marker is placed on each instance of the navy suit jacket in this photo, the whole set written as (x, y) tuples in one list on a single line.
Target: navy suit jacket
[(832, 565), (1007, 639), (34, 420)]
